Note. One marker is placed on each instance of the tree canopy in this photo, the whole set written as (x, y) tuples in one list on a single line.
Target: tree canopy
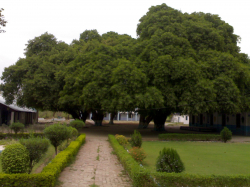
[(180, 62), (2, 20)]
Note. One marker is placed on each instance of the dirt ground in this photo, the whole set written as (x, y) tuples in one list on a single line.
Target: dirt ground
[(127, 128)]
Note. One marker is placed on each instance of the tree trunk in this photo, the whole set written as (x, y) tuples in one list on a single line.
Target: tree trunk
[(159, 120), (74, 114), (147, 121), (97, 117), (84, 116), (112, 116), (144, 121)]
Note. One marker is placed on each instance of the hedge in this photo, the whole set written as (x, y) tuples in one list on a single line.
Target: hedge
[(189, 137), (142, 177), (185, 180), (49, 173), (19, 135)]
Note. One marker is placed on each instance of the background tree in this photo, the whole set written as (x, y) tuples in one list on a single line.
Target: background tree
[(193, 60), (2, 20), (34, 80)]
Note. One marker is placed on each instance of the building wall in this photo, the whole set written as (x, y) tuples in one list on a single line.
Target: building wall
[(123, 116), (238, 123), (180, 118)]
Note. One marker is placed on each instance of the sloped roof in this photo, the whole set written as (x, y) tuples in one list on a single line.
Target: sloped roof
[(15, 107)]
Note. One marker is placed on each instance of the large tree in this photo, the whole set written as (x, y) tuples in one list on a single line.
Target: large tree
[(33, 81), (2, 20), (194, 61)]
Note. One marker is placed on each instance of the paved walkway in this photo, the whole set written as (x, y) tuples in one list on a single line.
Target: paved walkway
[(95, 164)]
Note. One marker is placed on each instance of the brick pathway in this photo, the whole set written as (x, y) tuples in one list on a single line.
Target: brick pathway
[(95, 164)]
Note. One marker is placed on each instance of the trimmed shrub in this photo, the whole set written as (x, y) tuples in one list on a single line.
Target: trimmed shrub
[(73, 132), (78, 124), (56, 133), (169, 161), (189, 137), (15, 159), (140, 176), (136, 139), (17, 127), (122, 140), (36, 148), (226, 134), (19, 136), (48, 176), (138, 154)]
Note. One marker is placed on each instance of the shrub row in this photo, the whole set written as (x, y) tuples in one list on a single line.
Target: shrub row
[(184, 180), (49, 174), (140, 176), (189, 137), (19, 136), (143, 177)]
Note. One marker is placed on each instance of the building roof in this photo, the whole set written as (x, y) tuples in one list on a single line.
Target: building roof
[(15, 107)]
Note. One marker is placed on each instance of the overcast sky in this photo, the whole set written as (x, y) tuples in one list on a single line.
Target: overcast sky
[(66, 19)]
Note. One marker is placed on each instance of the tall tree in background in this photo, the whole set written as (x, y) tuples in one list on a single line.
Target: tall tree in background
[(2, 20), (194, 61), (33, 80)]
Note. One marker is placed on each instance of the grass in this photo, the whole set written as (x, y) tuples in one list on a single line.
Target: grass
[(48, 156), (204, 157)]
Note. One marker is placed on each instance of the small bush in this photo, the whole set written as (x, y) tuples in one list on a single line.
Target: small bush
[(122, 140), (15, 159), (138, 154), (36, 147), (17, 127), (136, 139), (226, 134), (57, 133), (169, 161), (73, 132), (78, 124)]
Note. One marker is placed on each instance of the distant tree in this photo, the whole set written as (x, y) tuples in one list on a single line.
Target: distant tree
[(2, 20)]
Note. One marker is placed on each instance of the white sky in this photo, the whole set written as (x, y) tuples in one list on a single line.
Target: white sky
[(66, 19)]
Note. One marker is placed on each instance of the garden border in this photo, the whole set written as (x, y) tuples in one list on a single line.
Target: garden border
[(143, 177), (189, 137), (50, 173)]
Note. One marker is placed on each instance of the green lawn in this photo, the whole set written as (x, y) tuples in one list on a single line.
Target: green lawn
[(204, 157)]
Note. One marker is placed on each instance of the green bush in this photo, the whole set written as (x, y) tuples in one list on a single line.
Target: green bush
[(19, 136), (226, 134), (136, 139), (189, 137), (36, 148), (78, 124), (122, 140), (48, 176), (57, 133), (138, 154), (15, 159), (73, 132), (140, 176), (17, 127), (169, 161)]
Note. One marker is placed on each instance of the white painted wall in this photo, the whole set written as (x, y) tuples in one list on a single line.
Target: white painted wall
[(180, 118)]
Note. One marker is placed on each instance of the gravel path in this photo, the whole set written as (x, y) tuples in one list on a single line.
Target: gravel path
[(95, 164)]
